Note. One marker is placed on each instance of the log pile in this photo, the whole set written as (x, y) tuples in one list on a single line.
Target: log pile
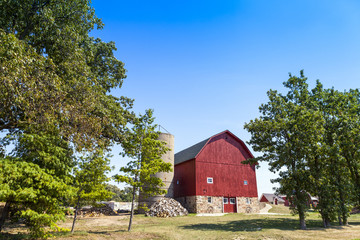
[(96, 211), (166, 207)]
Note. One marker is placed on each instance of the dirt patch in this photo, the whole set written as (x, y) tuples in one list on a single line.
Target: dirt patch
[(111, 235), (96, 221)]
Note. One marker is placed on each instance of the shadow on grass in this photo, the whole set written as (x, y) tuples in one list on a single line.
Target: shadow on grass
[(107, 232), (16, 236), (259, 224)]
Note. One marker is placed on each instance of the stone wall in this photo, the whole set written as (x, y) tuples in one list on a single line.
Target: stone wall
[(188, 202), (203, 206), (248, 205), (200, 204)]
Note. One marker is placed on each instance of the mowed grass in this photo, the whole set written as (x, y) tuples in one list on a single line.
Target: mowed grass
[(279, 209), (230, 226)]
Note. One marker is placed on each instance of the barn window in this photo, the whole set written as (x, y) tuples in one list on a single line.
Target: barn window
[(248, 201), (210, 180), (209, 199), (245, 182), (226, 200), (232, 200)]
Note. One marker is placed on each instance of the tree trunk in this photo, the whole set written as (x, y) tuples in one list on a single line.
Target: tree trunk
[(302, 220), (4, 214), (327, 222), (325, 218), (345, 219), (132, 208), (340, 220), (75, 215)]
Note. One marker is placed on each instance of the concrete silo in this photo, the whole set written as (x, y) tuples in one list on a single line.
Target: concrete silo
[(166, 177)]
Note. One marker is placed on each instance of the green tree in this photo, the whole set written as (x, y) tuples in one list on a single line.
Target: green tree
[(55, 81), (287, 132), (120, 195), (51, 157), (318, 132), (62, 75), (349, 139), (145, 150), (321, 180), (90, 181), (36, 193), (331, 179)]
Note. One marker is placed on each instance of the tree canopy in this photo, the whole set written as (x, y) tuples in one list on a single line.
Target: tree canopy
[(145, 150), (309, 138), (56, 105)]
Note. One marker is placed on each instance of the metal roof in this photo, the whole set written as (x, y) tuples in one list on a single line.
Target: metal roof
[(271, 197), (190, 152)]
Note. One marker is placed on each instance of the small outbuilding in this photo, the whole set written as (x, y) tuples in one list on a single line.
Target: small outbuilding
[(274, 199)]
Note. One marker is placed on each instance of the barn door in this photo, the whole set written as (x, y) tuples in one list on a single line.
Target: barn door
[(229, 204)]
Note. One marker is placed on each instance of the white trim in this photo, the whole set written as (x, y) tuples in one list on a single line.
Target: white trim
[(237, 209), (223, 204), (234, 200), (211, 180)]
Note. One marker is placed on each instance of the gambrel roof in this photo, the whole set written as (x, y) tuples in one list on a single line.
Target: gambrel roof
[(192, 152)]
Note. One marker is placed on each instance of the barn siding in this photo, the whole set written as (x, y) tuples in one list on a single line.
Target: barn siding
[(185, 174), (221, 159)]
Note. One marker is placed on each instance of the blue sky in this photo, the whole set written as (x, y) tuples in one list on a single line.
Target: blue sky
[(205, 66)]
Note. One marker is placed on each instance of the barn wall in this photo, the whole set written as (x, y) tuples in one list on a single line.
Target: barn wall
[(203, 206), (221, 159), (248, 205), (188, 202), (184, 179)]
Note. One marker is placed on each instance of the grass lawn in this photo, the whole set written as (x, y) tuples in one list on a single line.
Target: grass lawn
[(279, 209), (230, 226)]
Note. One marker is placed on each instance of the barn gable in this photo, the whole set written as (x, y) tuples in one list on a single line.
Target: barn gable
[(193, 151)]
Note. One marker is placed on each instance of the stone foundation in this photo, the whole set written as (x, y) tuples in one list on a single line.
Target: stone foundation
[(200, 204), (188, 202), (203, 206), (247, 205)]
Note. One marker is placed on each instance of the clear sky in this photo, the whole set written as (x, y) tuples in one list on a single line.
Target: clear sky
[(205, 66)]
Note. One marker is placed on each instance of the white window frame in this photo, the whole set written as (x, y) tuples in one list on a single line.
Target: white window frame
[(247, 200), (227, 200), (209, 198), (246, 182), (210, 180), (234, 201)]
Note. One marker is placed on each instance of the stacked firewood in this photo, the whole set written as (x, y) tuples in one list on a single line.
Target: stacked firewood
[(166, 207), (96, 211)]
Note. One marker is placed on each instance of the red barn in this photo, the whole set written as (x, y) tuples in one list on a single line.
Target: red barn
[(209, 177)]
